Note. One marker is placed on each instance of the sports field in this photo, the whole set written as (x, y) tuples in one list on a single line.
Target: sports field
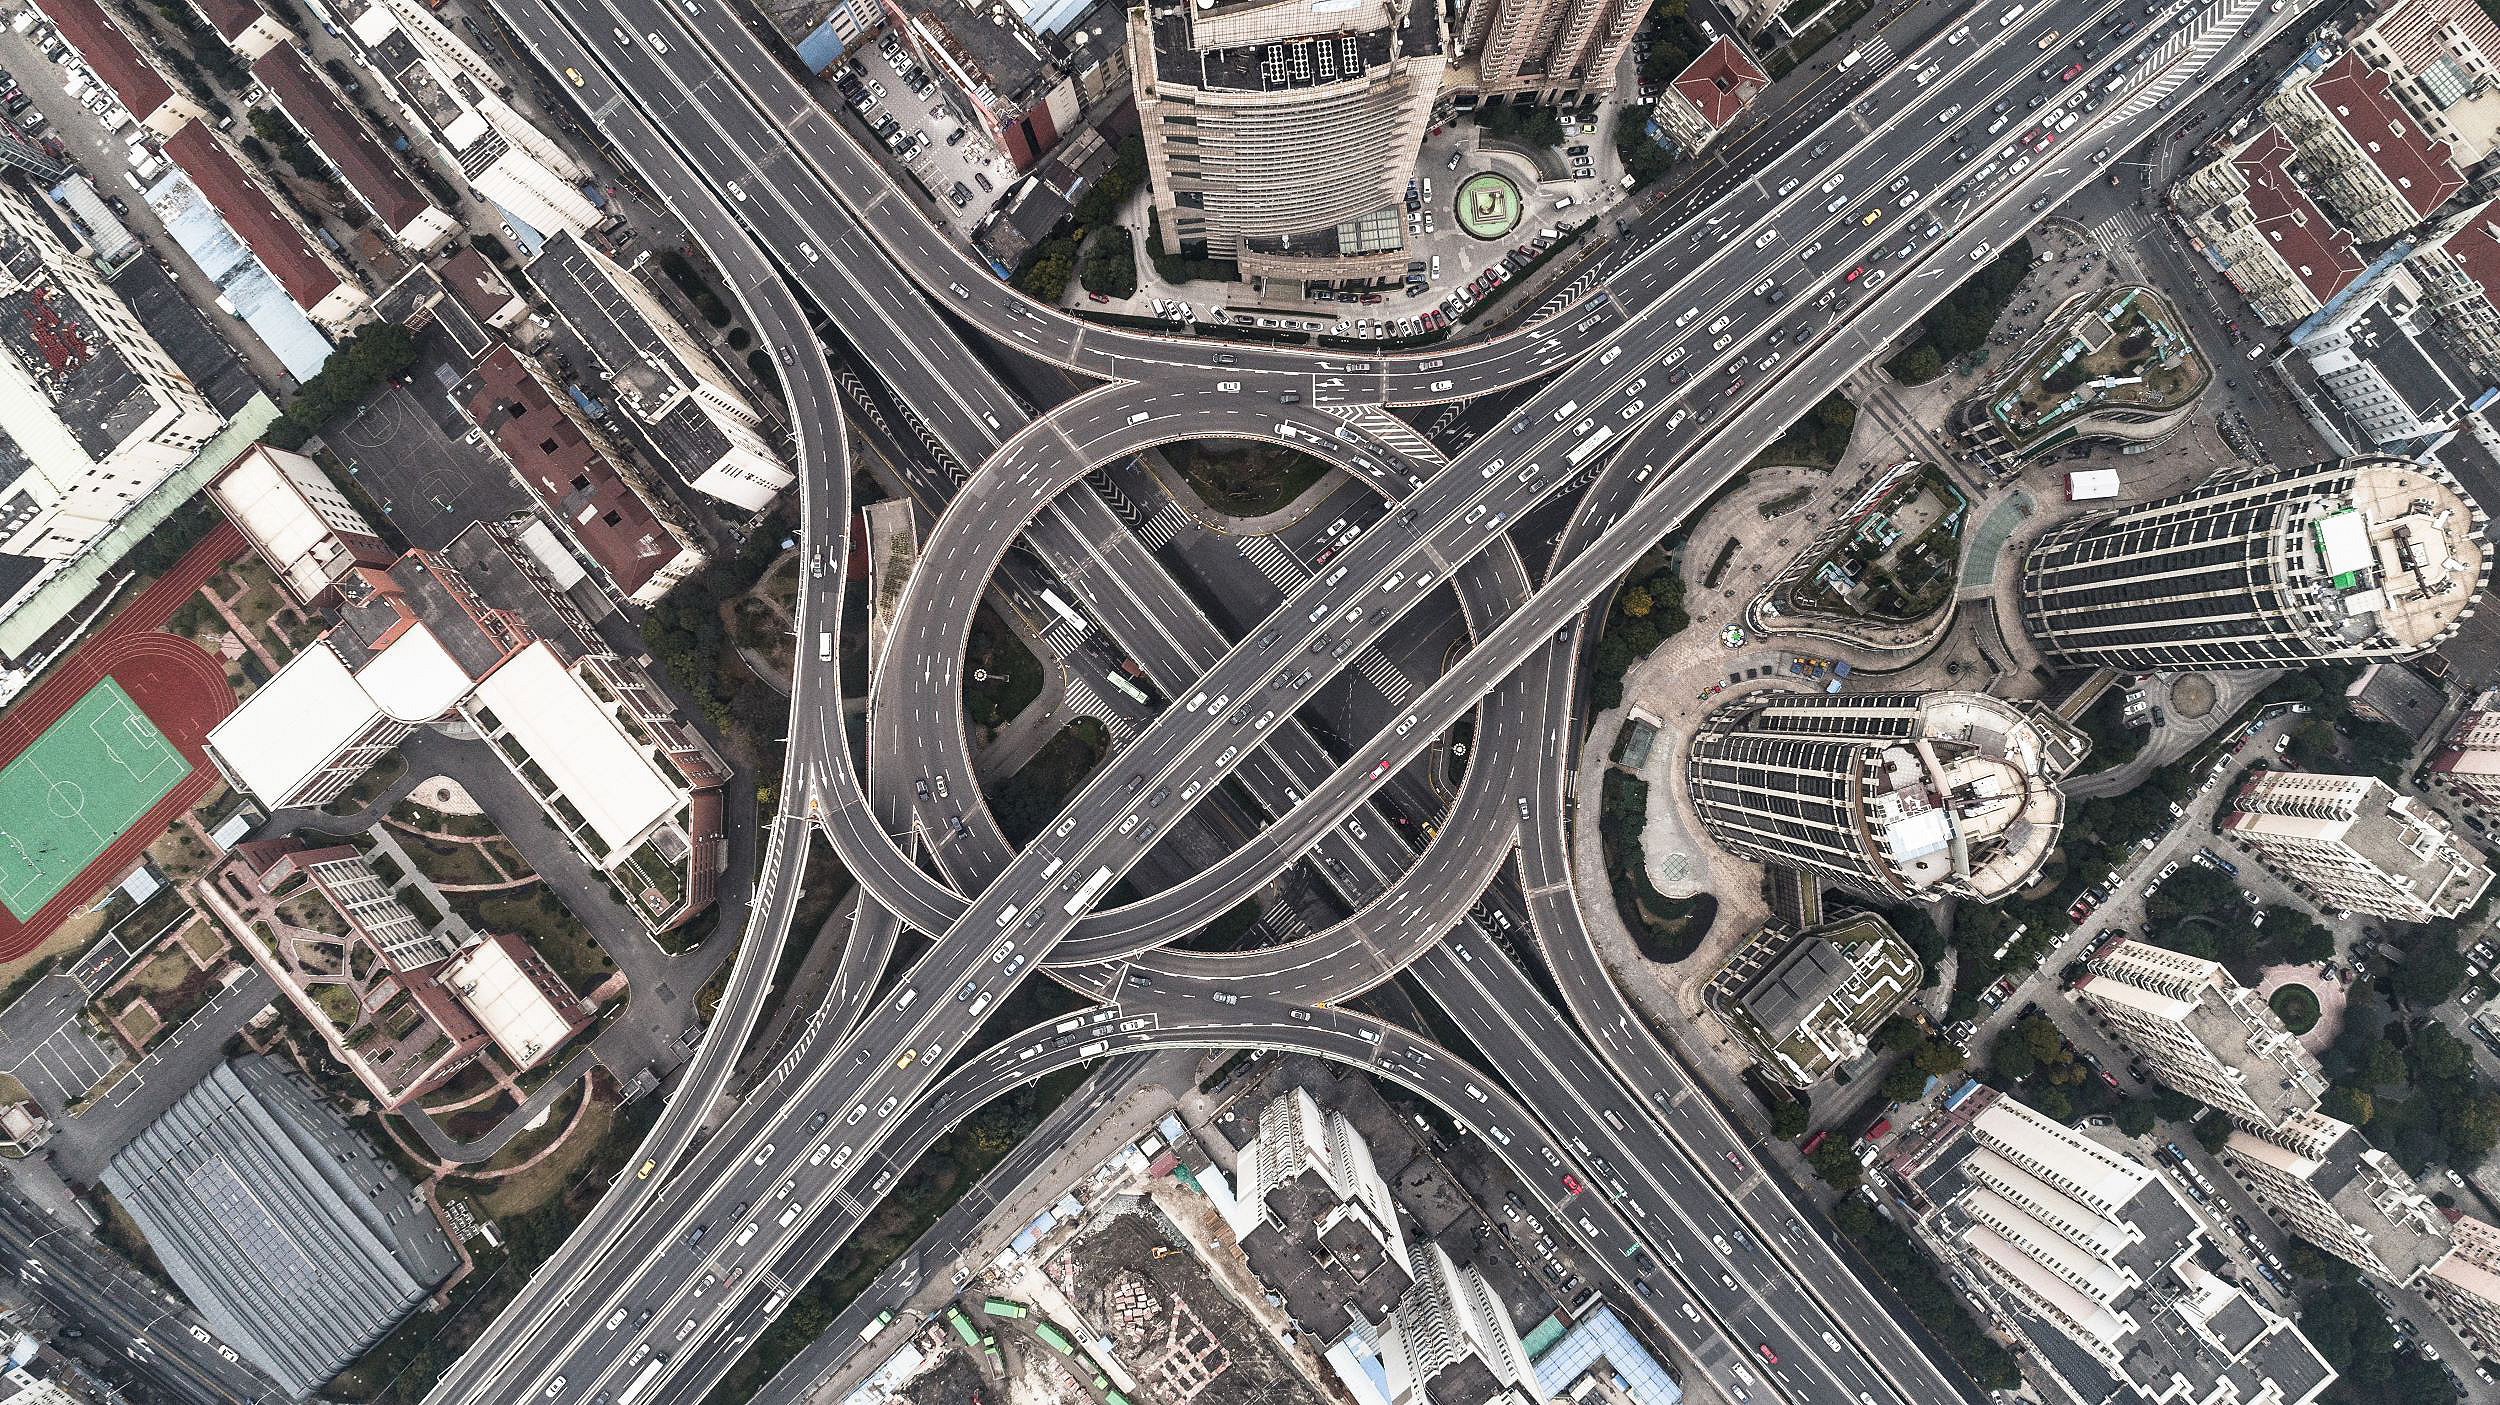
[(68, 796)]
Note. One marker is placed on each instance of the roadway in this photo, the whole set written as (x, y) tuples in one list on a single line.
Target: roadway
[(918, 1028)]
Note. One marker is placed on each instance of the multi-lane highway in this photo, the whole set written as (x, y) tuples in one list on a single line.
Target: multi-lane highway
[(1707, 342)]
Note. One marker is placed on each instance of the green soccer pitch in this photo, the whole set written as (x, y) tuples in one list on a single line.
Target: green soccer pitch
[(66, 798)]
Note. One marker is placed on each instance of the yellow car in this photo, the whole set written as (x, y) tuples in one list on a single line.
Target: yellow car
[(647, 1168), (906, 1060), (1872, 216), (574, 74)]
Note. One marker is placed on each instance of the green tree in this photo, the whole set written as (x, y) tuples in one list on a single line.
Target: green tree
[(2134, 1117), (2040, 1036), (2294, 938), (2349, 1104), (2009, 1058), (1789, 1118), (2196, 890), (1854, 1217), (1904, 1081), (1837, 1164), (2383, 1066), (1937, 1056), (2426, 978), (2174, 1106), (1917, 366), (2052, 1102), (1899, 1035), (1638, 602), (2213, 1132)]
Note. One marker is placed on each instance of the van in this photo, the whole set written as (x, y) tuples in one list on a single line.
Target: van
[(2011, 14), (904, 1000), (1852, 59), (824, 646)]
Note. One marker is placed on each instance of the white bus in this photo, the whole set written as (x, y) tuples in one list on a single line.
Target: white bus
[(1592, 444), (1093, 888), (1063, 609), (644, 1380)]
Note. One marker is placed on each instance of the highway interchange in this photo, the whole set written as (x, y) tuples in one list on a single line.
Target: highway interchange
[(1658, 384)]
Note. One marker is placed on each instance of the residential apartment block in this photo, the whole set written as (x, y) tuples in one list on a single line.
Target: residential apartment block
[(2263, 566), (2201, 1032), (1550, 52), (2256, 223), (1282, 133), (2103, 1260), (2442, 60), (2467, 763), (1894, 795), (2323, 1182), (1454, 1340), (2356, 846), (702, 425), (2359, 146), (94, 415), (1315, 1219)]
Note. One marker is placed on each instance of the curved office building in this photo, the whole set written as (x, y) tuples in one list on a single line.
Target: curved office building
[(2368, 558), (1894, 795)]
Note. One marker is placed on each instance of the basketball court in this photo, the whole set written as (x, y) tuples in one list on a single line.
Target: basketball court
[(79, 787)]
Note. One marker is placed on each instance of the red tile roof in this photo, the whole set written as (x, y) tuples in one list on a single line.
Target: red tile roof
[(1721, 82), (2319, 252), (342, 137), (2476, 249), (474, 283), (228, 17), (584, 492), (248, 211), (2358, 96), (110, 53)]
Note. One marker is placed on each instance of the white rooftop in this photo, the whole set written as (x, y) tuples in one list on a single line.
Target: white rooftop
[(524, 1023), (620, 791), (291, 727)]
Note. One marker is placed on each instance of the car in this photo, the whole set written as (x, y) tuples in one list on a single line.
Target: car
[(1871, 216), (1855, 274), (1768, 1355), (1571, 1184), (575, 75), (1381, 769), (1732, 1160)]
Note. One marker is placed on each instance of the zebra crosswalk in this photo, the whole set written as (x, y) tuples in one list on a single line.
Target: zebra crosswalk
[(1392, 431), (2186, 52), (1085, 700), (1274, 562), (1156, 532), (1386, 676), (2121, 231), (1876, 52), (1063, 638)]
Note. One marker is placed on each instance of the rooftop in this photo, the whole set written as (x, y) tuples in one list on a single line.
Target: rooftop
[(246, 209), (341, 136), (1261, 46), (1722, 82), (2418, 166), (110, 53), (2318, 251), (560, 464), (2397, 694), (99, 397), (298, 1242)]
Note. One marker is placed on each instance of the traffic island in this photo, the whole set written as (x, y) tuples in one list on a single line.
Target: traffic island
[(1489, 206), (2112, 364)]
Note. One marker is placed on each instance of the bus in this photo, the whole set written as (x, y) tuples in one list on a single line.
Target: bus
[(1064, 610), (1000, 1307), (1592, 444), (1090, 890), (1127, 689), (644, 1380), (1053, 1338)]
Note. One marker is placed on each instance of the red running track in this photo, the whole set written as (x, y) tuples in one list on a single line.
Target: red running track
[(181, 688)]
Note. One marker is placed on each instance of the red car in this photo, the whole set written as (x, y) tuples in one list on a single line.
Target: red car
[(1380, 770), (1855, 274), (2073, 71), (1571, 1184), (1768, 1355), (1732, 1161), (1098, 297)]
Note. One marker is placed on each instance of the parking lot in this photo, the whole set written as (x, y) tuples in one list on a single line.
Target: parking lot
[(905, 110)]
